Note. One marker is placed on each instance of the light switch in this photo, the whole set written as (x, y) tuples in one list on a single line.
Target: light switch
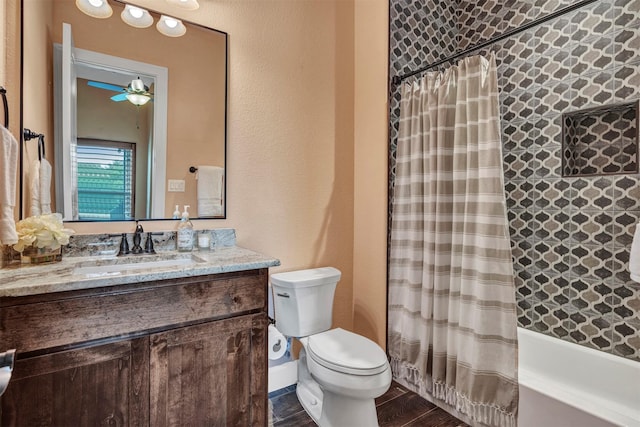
[(176, 185)]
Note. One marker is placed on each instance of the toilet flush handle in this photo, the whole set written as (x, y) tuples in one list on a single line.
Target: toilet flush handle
[(282, 295)]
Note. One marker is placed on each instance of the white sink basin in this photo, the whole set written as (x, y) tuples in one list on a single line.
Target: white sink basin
[(121, 265)]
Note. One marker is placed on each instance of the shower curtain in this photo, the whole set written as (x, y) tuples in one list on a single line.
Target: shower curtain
[(452, 310)]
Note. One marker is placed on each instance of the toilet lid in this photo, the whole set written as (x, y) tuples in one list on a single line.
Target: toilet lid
[(344, 351)]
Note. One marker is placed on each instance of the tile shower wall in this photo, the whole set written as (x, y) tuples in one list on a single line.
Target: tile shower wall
[(570, 236), (421, 32)]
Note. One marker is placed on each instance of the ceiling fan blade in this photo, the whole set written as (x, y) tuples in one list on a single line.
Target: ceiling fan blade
[(119, 97), (106, 86)]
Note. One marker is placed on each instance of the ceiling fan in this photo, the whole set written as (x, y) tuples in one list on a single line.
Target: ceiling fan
[(136, 92)]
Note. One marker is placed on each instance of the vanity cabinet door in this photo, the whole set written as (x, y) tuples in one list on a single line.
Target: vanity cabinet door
[(212, 374), (92, 386)]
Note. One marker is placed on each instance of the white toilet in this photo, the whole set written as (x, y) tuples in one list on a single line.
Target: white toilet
[(339, 373)]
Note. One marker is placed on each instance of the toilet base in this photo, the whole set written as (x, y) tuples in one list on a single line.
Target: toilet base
[(340, 411), (310, 401), (329, 409), (308, 391)]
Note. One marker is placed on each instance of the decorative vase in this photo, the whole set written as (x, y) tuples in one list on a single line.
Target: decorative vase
[(34, 255)]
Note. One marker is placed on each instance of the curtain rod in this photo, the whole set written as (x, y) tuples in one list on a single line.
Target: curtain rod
[(396, 80)]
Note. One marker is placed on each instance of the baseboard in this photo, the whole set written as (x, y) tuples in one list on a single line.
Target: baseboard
[(283, 375)]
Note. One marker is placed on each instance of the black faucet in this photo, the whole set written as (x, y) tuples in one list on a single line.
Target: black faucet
[(137, 237)]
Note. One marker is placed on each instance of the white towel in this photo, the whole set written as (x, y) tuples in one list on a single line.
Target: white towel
[(634, 256), (34, 188), (40, 187), (45, 187), (210, 184), (8, 169)]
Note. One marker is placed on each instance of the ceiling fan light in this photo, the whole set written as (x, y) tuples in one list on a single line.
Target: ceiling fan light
[(137, 85), (185, 4), (136, 17), (171, 27), (95, 8), (138, 99)]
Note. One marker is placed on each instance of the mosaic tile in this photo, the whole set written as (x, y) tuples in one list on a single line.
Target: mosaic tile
[(592, 56), (550, 132), (626, 13), (626, 82), (553, 37), (623, 227), (592, 193), (600, 142), (626, 339), (626, 193), (554, 100), (519, 135), (625, 45), (592, 90), (592, 21), (545, 7)]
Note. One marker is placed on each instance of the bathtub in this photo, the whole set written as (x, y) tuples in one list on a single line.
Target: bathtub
[(569, 385)]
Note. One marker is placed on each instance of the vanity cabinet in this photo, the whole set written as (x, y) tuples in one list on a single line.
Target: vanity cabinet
[(178, 352)]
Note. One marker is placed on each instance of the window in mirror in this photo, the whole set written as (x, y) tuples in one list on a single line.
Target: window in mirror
[(600, 141), (106, 179)]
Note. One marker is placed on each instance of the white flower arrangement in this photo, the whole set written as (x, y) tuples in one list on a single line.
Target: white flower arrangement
[(42, 231)]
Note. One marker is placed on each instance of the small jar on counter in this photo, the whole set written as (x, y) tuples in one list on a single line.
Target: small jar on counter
[(204, 239)]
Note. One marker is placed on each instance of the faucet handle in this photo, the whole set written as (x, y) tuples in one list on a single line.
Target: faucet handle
[(148, 244), (124, 245)]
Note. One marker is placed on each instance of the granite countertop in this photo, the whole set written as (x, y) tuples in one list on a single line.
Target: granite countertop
[(84, 272)]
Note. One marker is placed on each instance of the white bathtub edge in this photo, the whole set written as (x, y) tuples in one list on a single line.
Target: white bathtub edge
[(607, 411), (596, 383)]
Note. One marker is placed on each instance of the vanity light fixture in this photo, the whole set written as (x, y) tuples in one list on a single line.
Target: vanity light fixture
[(138, 93), (136, 17), (185, 4), (171, 27), (95, 8)]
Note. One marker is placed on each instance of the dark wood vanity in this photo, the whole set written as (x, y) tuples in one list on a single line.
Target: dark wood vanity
[(187, 351)]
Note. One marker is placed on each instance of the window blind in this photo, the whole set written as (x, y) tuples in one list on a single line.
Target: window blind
[(106, 180)]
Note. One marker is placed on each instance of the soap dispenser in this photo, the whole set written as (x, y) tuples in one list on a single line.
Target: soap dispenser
[(185, 232), (176, 213)]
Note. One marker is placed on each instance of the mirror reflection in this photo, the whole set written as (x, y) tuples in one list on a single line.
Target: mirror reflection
[(131, 110)]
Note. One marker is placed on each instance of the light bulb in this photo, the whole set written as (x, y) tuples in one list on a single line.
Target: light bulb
[(136, 12), (95, 8), (136, 17), (171, 27)]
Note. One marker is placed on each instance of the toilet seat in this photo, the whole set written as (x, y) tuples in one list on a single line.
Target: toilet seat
[(346, 352)]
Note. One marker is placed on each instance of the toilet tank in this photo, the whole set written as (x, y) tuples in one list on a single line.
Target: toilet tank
[(304, 300)]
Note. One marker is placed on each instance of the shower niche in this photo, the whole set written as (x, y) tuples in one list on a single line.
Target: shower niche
[(600, 141)]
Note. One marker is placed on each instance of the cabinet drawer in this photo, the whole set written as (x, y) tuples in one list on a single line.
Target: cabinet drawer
[(71, 318)]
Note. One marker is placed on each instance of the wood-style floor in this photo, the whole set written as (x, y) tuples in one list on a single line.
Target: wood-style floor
[(397, 407)]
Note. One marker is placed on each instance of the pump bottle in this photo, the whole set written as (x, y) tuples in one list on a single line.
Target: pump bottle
[(185, 232)]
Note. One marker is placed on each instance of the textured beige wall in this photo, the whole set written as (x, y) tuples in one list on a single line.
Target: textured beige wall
[(38, 90), (370, 169), (10, 71), (307, 128)]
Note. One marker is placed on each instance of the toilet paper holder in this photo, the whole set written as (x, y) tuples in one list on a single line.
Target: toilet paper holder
[(7, 360)]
